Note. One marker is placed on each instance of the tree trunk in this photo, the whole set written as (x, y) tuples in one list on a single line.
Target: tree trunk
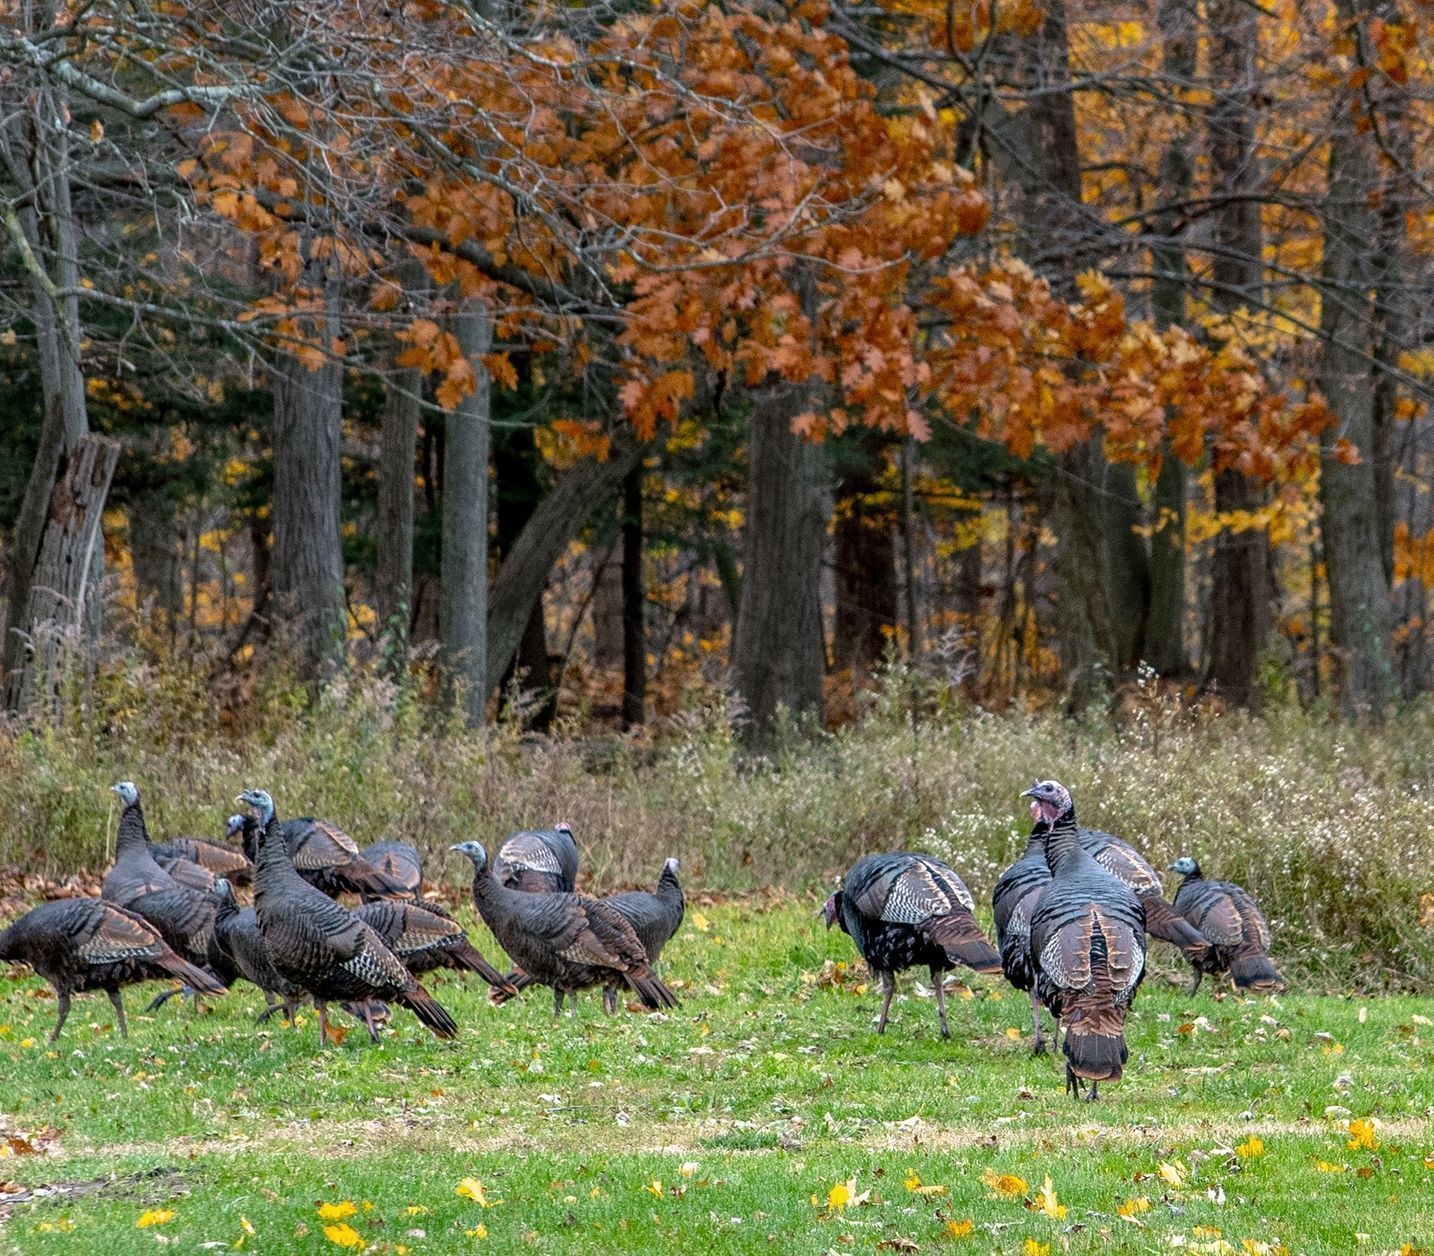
[(1164, 647), (520, 489), (397, 440), (1361, 618), (1062, 231), (308, 568), (551, 527), (53, 627), (463, 615), (35, 152), (634, 603), (1241, 580), (154, 552), (866, 596), (777, 653)]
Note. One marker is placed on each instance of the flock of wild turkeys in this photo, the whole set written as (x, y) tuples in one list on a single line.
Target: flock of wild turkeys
[(1071, 917)]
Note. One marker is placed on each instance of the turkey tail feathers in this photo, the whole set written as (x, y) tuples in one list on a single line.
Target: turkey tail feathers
[(1164, 922), (649, 989), (196, 978), (964, 943), (430, 1011), (1095, 1047), (470, 959), (1251, 970)]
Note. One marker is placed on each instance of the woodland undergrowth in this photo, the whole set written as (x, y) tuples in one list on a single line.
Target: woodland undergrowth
[(1329, 824)]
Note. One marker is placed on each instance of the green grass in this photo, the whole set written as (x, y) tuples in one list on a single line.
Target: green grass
[(764, 1091)]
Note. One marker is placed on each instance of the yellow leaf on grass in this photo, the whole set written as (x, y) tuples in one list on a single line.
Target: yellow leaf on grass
[(700, 922), (1324, 1166), (1250, 1148), (1004, 1185), (246, 1225), (472, 1188), (913, 1184), (1047, 1202), (154, 1216), (688, 1167), (1031, 1248), (336, 1212), (1429, 1161), (1013, 1033), (1172, 1174), (840, 1195), (479, 1231), (959, 1229), (655, 1186), (1362, 1136), (415, 1210), (344, 1235), (1132, 1208)]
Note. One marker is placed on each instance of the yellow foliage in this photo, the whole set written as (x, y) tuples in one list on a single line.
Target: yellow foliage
[(1004, 1185), (344, 1235), (1362, 1136), (153, 1217), (336, 1212), (1250, 1148)]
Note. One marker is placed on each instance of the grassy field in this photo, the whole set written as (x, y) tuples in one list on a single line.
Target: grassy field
[(764, 1116)]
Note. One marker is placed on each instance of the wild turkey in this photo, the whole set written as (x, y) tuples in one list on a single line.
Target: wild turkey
[(236, 930), (326, 857), (1239, 937), (424, 940), (185, 871), (538, 861), (904, 910), (82, 944), (1127, 864), (400, 863), (222, 861), (1087, 944), (183, 916), (1014, 901), (654, 917), (321, 948), (567, 941)]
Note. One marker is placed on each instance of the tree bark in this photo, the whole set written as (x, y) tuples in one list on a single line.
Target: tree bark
[(397, 441), (866, 596), (1063, 233), (520, 489), (463, 616), (1361, 615), (634, 603), (35, 152), (308, 568), (778, 648), (1164, 647), (154, 553), (520, 581), (1241, 579), (53, 627)]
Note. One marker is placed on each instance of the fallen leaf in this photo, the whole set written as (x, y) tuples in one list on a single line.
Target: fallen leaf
[(959, 1229), (1032, 1248), (1324, 1166), (154, 1216), (336, 1212), (344, 1235), (840, 1195), (1251, 1148), (1047, 1202), (1004, 1185), (1362, 1136), (472, 1188)]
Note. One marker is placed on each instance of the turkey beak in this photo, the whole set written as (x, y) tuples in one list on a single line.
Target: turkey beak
[(1029, 793)]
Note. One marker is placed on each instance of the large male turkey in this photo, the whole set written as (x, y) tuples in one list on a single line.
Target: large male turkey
[(326, 857), (1087, 944), (1162, 920), (183, 916), (320, 947), (1014, 902), (541, 861), (81, 944), (424, 940), (1229, 917), (567, 941), (903, 910)]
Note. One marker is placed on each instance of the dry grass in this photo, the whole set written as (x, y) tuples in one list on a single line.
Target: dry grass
[(1328, 824)]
